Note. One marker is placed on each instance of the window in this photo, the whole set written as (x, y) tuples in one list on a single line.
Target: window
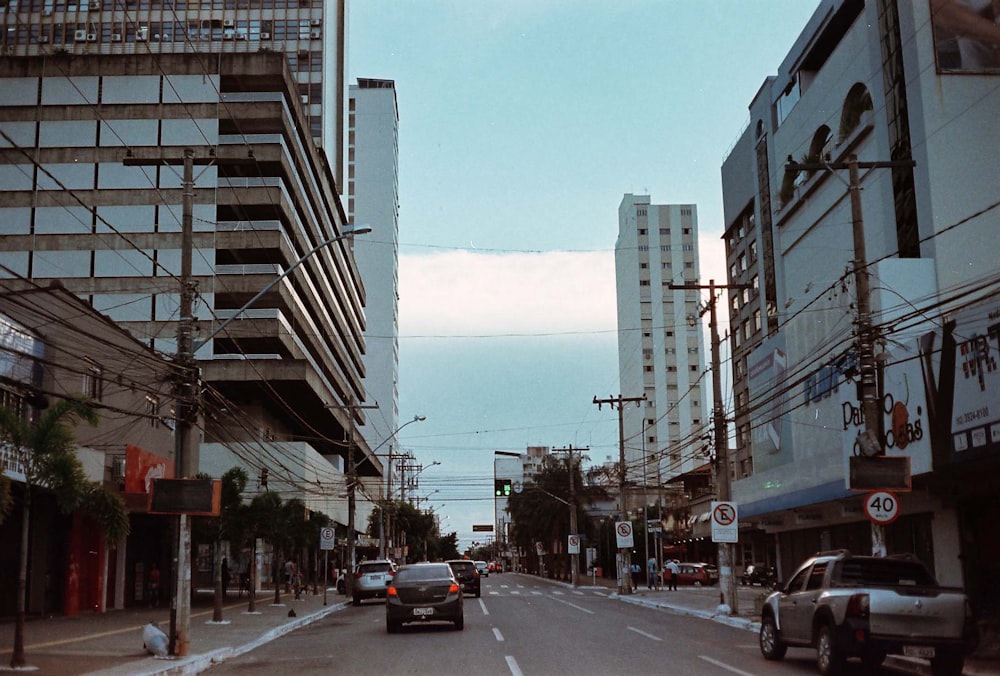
[(815, 580), (153, 411), (93, 382), (664, 231), (642, 231)]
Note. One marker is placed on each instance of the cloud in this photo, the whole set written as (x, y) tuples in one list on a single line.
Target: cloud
[(472, 293)]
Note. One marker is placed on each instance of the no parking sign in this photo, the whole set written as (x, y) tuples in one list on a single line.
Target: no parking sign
[(623, 533), (725, 524)]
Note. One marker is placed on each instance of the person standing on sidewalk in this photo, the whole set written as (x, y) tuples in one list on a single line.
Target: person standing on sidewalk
[(652, 578), (635, 570), (671, 571)]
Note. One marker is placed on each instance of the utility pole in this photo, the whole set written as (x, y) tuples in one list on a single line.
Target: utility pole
[(352, 482), (870, 438), (575, 556), (625, 558), (723, 491), (186, 404), (185, 459)]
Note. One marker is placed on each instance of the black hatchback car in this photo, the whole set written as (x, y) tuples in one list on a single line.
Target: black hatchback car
[(423, 592), (467, 575)]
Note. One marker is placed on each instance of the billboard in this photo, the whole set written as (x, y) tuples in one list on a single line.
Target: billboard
[(966, 35), (767, 368), (961, 371)]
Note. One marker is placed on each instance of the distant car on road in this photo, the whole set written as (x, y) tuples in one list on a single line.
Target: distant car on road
[(423, 592), (467, 575), (370, 579), (484, 570), (758, 573)]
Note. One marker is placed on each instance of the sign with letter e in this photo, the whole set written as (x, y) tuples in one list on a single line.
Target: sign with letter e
[(725, 522)]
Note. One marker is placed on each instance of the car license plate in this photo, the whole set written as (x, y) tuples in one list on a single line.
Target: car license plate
[(423, 611), (924, 651)]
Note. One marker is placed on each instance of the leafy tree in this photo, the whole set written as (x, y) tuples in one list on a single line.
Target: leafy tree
[(540, 512), (45, 449)]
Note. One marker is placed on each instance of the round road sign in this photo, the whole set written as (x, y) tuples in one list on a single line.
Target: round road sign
[(882, 507)]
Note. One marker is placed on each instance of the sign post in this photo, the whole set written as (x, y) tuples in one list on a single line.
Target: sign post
[(725, 522), (327, 541)]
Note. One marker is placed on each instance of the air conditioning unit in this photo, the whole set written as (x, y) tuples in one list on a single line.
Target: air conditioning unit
[(116, 37), (46, 12), (241, 36), (316, 23), (95, 6), (91, 37), (316, 35), (228, 35), (265, 36), (42, 39), (305, 99), (227, 23), (141, 34), (80, 35)]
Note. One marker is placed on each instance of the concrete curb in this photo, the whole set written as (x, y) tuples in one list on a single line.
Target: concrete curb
[(196, 664)]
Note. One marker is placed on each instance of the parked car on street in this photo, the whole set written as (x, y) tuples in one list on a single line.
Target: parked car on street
[(697, 574), (868, 607), (467, 575), (370, 579), (423, 592), (484, 570)]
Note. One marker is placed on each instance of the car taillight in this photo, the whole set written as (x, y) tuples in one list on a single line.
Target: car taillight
[(857, 606), (475, 573), (391, 591), (453, 589), (357, 575)]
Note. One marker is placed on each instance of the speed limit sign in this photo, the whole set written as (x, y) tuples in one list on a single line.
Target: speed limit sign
[(882, 507)]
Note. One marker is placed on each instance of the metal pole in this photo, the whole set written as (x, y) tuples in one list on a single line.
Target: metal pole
[(727, 576), (184, 461)]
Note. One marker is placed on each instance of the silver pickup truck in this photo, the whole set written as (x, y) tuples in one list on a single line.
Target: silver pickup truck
[(868, 607)]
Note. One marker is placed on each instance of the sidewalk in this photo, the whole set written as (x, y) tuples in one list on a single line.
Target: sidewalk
[(111, 643)]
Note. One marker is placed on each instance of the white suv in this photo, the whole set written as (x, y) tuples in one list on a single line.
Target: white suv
[(371, 579)]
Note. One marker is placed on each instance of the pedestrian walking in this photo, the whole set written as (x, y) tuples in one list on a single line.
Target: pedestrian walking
[(289, 573), (652, 578), (635, 570), (671, 571), (154, 586)]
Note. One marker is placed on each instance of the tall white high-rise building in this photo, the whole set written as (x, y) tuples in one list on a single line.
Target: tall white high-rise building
[(311, 34), (660, 339), (373, 200)]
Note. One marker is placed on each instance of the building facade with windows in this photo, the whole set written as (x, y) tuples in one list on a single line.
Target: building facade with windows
[(93, 194), (660, 340), (373, 200), (310, 33), (898, 87), (54, 346)]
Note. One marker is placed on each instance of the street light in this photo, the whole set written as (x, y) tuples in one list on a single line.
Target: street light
[(385, 481), (346, 232)]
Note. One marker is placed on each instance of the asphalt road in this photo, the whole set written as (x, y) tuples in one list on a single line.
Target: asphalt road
[(522, 626)]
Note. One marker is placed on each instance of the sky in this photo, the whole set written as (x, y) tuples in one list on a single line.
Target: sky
[(522, 124)]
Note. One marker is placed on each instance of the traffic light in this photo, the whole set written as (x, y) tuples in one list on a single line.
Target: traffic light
[(501, 488)]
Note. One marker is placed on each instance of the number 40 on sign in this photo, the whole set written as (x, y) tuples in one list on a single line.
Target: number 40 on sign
[(881, 507)]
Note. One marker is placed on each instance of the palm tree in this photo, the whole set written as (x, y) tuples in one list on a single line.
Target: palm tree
[(45, 449), (226, 526)]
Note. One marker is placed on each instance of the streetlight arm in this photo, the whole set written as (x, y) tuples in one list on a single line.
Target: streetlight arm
[(348, 232)]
